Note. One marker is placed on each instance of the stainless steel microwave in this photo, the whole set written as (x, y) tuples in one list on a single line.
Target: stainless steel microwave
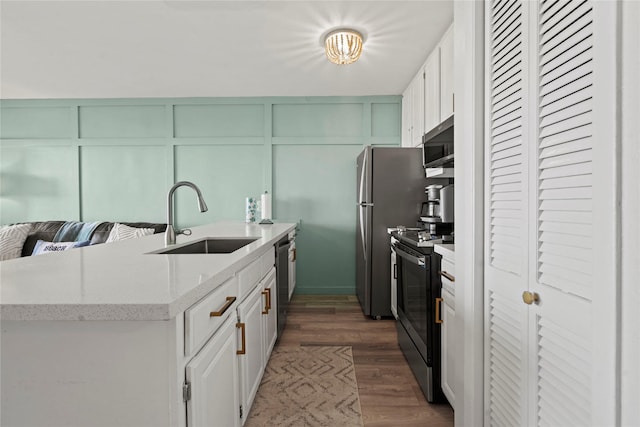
[(437, 146)]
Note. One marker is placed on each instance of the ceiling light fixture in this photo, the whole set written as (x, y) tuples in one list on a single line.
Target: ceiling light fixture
[(343, 46)]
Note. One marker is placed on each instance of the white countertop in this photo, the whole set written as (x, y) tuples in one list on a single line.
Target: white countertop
[(122, 281), (447, 250)]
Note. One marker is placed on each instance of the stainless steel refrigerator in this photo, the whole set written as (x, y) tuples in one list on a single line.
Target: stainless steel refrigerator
[(390, 192)]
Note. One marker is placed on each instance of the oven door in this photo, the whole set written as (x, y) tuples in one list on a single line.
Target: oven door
[(414, 309)]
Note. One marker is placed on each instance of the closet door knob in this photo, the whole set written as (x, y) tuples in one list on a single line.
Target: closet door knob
[(530, 297)]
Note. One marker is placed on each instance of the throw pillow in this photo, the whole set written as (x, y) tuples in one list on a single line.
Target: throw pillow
[(12, 238), (43, 247), (124, 232)]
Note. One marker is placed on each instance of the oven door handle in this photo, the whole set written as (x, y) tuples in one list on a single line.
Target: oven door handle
[(414, 259)]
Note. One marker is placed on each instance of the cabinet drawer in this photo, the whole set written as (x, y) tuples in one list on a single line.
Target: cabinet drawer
[(248, 277), (267, 262), (200, 324), (448, 269), (448, 298)]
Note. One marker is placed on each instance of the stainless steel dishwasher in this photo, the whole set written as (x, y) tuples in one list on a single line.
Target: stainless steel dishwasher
[(282, 281)]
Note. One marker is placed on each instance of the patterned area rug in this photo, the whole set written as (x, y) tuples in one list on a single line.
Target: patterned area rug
[(308, 386)]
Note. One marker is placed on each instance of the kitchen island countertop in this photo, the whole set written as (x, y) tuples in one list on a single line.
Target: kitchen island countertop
[(123, 280)]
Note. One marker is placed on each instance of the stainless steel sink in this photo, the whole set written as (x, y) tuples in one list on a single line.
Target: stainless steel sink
[(209, 246)]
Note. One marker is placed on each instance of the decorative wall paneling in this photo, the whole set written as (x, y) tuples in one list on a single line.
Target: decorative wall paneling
[(115, 159)]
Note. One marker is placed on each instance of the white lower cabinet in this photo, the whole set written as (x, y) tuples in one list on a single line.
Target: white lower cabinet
[(257, 331), (448, 346), (269, 314), (181, 372), (223, 378), (447, 328), (251, 356), (213, 375)]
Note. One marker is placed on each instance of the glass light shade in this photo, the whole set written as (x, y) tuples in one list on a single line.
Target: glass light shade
[(343, 46)]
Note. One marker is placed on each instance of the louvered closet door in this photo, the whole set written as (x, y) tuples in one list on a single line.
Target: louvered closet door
[(550, 222), (506, 214), (568, 242), (562, 322)]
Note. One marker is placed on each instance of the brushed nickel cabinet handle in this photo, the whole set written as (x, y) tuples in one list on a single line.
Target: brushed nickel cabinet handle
[(225, 307), (447, 276), (243, 350)]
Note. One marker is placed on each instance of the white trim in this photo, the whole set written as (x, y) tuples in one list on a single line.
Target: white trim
[(469, 172), (630, 207), (605, 214)]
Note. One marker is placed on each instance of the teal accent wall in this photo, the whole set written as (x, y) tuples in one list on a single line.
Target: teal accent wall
[(115, 159)]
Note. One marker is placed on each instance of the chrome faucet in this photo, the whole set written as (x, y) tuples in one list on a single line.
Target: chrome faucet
[(170, 234)]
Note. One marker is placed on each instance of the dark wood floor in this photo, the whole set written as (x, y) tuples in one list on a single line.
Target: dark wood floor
[(389, 393)]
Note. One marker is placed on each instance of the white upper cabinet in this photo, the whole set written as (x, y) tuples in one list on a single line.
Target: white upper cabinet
[(413, 112), (446, 76), (406, 118), (417, 109), (428, 100), (432, 91)]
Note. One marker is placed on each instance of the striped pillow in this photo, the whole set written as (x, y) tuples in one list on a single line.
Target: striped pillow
[(124, 232), (12, 238)]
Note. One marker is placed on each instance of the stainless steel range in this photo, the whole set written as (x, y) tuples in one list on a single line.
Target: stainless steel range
[(418, 299)]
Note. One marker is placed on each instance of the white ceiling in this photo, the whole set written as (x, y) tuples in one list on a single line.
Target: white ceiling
[(154, 48)]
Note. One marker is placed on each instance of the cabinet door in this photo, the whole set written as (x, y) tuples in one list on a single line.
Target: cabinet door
[(417, 110), (407, 117), (269, 314), (213, 375), (448, 347), (252, 361), (446, 75), (431, 87)]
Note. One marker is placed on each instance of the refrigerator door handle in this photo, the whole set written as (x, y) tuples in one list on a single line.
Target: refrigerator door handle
[(364, 247), (361, 203), (362, 178)]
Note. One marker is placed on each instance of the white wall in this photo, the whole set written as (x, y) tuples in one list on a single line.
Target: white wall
[(469, 118)]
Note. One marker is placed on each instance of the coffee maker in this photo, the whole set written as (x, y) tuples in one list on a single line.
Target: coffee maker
[(437, 217)]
